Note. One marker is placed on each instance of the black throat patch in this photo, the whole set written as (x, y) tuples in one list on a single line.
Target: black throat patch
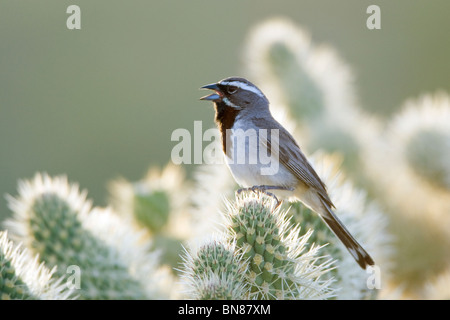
[(225, 117)]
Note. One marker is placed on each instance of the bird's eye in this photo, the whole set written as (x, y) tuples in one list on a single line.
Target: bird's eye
[(231, 89)]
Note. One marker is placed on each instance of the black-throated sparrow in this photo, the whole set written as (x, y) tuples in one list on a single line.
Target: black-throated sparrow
[(250, 135)]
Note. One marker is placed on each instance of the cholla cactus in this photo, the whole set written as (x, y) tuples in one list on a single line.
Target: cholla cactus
[(157, 205), (212, 184), (438, 288), (262, 233), (215, 272), (152, 200), (22, 277), (408, 167), (280, 267), (54, 220), (421, 133), (365, 221)]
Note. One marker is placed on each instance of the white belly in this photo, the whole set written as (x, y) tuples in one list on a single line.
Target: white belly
[(250, 162)]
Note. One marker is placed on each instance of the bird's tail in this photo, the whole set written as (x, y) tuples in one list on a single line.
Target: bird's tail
[(356, 250)]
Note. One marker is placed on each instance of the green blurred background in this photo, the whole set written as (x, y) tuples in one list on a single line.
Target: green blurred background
[(102, 102)]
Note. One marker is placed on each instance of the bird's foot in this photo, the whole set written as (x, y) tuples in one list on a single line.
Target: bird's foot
[(263, 189)]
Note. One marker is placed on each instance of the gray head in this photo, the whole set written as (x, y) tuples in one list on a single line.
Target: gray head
[(235, 97), (236, 93)]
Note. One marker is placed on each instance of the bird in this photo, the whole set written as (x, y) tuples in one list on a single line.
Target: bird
[(243, 117)]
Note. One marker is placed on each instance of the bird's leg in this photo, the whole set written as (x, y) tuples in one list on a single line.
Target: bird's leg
[(263, 189), (273, 188), (240, 190)]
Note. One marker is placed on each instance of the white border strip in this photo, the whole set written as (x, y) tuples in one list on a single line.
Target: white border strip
[(243, 86)]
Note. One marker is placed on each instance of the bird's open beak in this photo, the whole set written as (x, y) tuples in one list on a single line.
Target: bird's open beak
[(214, 96), (212, 86)]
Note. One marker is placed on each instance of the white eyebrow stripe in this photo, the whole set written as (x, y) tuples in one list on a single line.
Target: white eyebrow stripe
[(230, 104), (243, 86)]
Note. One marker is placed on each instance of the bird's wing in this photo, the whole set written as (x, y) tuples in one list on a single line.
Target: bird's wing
[(291, 156)]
